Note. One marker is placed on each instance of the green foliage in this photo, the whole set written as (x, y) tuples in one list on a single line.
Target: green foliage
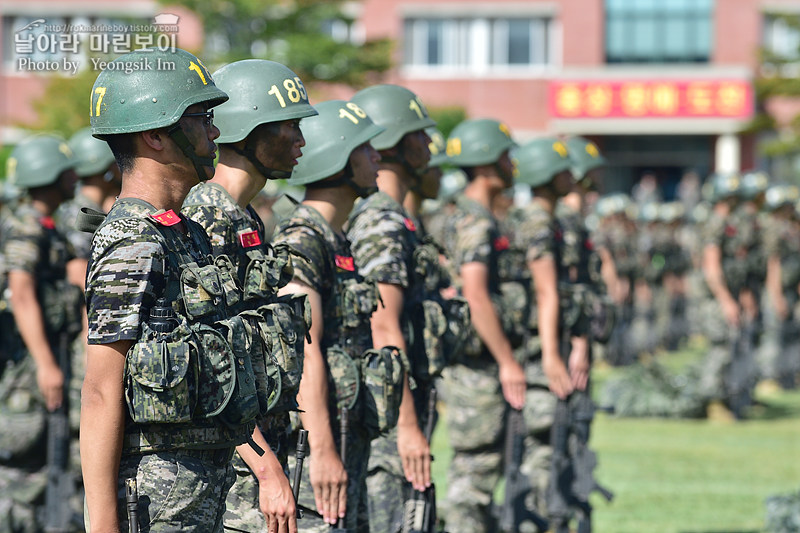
[(64, 106), (290, 33), (447, 118)]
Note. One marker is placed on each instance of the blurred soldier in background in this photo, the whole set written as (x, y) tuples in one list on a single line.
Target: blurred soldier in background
[(338, 166), (780, 354), (47, 307), (488, 375), (259, 140), (672, 328)]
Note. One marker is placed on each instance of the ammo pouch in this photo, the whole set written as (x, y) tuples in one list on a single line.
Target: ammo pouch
[(359, 299), (382, 373), (790, 273), (266, 273), (513, 306), (61, 307), (242, 405), (201, 289), (344, 378), (603, 318), (23, 416), (446, 330)]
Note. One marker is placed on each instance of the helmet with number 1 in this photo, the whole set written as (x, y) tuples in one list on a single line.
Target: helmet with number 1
[(331, 136), (540, 160), (92, 156), (260, 91), (394, 108), (753, 184), (158, 88), (38, 161), (478, 142), (584, 155)]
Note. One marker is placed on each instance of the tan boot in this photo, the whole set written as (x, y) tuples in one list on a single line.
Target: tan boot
[(768, 388), (716, 411)]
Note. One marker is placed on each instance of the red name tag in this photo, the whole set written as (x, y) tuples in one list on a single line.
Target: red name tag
[(47, 223), (588, 244), (410, 226), (167, 218), (345, 263), (249, 239), (501, 243)]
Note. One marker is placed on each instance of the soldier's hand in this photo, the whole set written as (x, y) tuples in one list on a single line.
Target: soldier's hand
[(415, 452), (558, 378), (781, 307), (329, 481), (276, 502), (512, 380), (51, 384), (731, 311), (579, 364)]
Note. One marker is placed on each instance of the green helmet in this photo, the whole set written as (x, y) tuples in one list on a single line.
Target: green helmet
[(452, 184), (612, 204), (478, 142), (540, 160), (584, 155), (92, 156), (753, 184), (779, 195), (725, 185), (38, 161), (670, 212), (331, 136), (260, 91), (649, 212), (438, 148), (149, 98), (396, 109)]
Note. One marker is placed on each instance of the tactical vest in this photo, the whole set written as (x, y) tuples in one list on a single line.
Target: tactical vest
[(198, 383), (262, 269), (740, 260), (368, 382)]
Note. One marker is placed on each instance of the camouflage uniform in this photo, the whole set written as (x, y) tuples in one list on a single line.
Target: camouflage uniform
[(32, 245), (180, 457), (476, 406), (326, 265), (234, 233), (384, 239)]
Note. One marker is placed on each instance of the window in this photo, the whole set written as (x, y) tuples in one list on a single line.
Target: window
[(781, 37), (658, 31), (477, 43)]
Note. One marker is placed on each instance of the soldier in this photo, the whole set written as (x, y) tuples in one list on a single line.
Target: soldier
[(384, 241), (487, 376), (780, 361), (172, 386), (730, 315), (338, 166), (259, 140), (46, 306)]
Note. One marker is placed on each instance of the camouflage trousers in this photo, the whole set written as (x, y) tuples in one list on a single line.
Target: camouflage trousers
[(182, 490), (21, 492), (475, 426), (779, 352), (242, 510), (718, 358), (357, 518)]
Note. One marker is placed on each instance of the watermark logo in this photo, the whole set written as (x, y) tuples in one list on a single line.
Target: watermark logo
[(40, 46)]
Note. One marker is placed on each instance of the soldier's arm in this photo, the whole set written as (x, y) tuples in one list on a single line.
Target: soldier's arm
[(102, 427), (608, 271), (328, 475), (715, 278), (773, 285), (275, 497), (475, 286), (76, 272), (545, 282), (30, 322), (412, 446)]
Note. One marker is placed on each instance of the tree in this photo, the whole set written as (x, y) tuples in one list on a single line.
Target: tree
[(293, 33)]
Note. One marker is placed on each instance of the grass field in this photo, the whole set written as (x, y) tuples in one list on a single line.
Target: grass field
[(686, 476)]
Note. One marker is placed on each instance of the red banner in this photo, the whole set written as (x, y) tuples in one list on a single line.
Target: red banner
[(651, 99)]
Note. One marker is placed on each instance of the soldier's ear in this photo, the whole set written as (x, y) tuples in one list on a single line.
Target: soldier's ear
[(154, 139)]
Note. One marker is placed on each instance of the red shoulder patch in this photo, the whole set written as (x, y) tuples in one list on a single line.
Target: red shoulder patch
[(248, 239), (410, 226), (730, 231), (588, 244), (47, 222), (501, 243), (345, 263), (167, 218)]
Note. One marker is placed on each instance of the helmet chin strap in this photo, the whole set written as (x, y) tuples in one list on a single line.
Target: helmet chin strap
[(177, 134), (347, 179), (269, 173)]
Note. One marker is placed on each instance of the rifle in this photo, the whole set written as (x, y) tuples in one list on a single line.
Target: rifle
[(300, 455), (343, 430), (514, 512), (573, 463), (59, 516), (742, 370), (419, 512), (132, 501)]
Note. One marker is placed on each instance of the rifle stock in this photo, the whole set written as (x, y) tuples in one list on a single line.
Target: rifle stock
[(300, 455)]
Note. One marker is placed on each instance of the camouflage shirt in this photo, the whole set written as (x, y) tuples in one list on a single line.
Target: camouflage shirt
[(127, 271), (65, 217), (538, 232), (325, 262), (783, 241)]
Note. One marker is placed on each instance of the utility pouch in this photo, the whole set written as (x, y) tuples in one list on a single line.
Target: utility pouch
[(227, 277), (457, 318), (513, 312), (216, 365), (344, 378), (382, 372), (434, 333), (201, 289), (278, 328), (160, 376), (359, 301), (243, 405)]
